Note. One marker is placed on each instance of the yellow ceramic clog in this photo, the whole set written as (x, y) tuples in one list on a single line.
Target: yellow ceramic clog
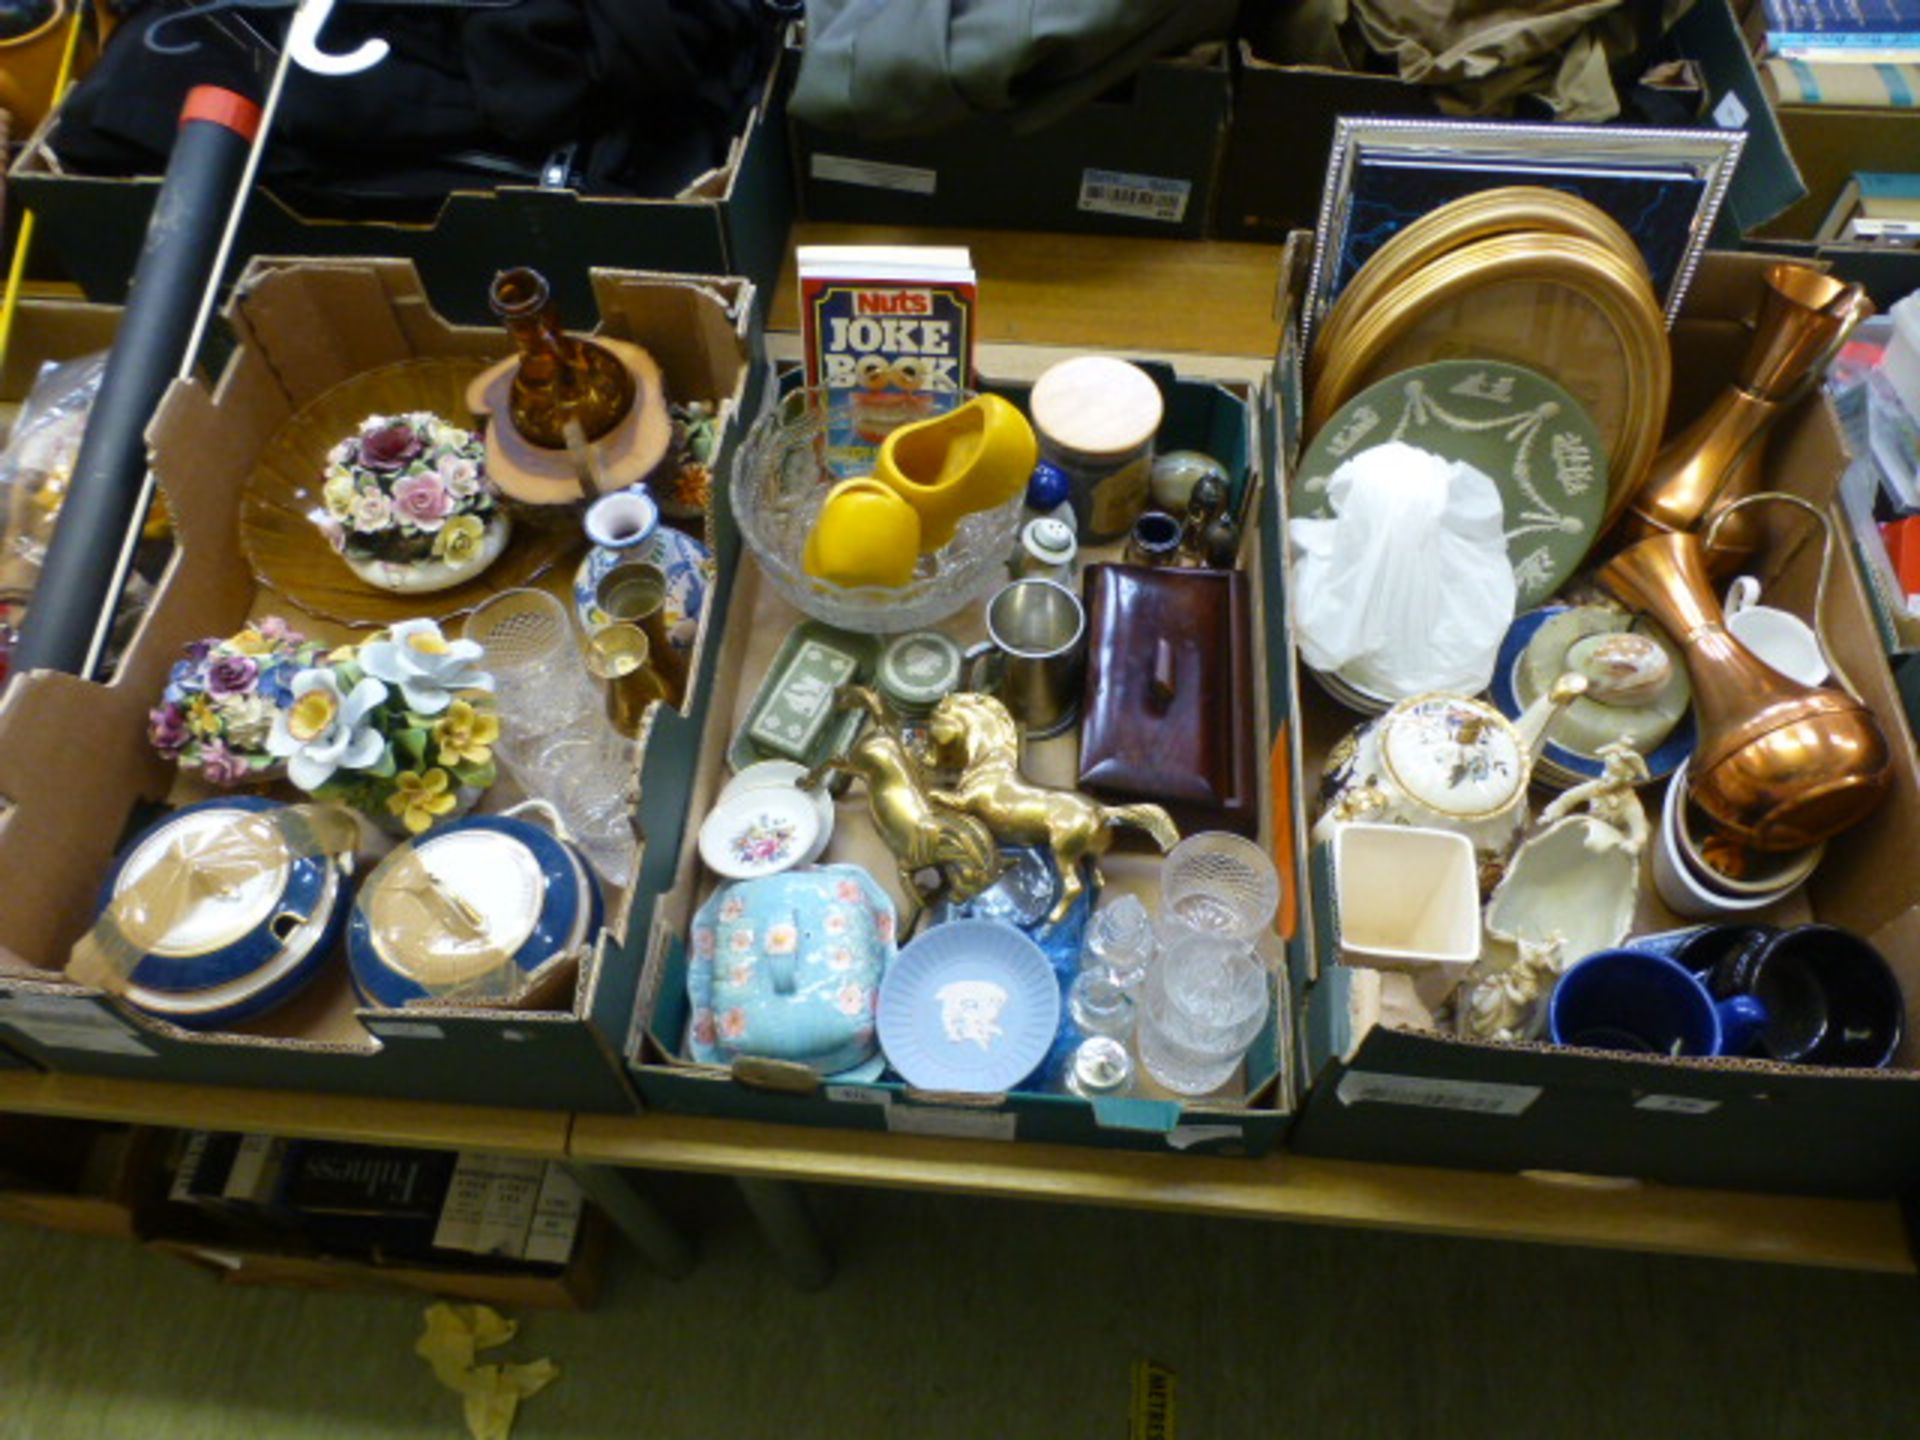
[(865, 535), (971, 458)]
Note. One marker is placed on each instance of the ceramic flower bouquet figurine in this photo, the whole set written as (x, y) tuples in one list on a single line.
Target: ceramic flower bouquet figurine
[(409, 505), (221, 702), (401, 727)]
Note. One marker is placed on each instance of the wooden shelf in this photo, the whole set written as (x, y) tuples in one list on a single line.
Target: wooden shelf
[(540, 1134), (1845, 1234)]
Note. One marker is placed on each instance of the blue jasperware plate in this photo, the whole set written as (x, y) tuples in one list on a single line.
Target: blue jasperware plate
[(969, 1006)]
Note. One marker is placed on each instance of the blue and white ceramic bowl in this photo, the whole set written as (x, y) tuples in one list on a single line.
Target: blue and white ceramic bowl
[(787, 967), (254, 937), (504, 914), (688, 566)]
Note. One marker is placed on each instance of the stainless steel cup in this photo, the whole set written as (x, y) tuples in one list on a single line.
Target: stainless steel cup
[(1034, 654)]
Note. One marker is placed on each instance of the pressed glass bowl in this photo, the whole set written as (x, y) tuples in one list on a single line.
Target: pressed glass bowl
[(780, 480)]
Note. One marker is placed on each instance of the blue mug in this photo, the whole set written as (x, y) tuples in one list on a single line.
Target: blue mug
[(1648, 1004)]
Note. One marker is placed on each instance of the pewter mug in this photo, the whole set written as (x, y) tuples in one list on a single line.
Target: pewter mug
[(1032, 659)]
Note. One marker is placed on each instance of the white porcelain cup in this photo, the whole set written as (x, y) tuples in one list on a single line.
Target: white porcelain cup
[(1742, 594), (1679, 887), (1783, 640)]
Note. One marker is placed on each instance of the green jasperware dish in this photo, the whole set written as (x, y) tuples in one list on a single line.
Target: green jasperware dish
[(1534, 440)]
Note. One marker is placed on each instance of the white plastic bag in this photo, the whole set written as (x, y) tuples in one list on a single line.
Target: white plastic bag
[(1408, 588)]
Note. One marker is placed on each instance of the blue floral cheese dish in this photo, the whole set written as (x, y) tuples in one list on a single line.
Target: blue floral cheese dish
[(489, 909), (217, 913), (788, 967)]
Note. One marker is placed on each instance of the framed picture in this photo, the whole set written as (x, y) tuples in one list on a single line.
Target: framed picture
[(1663, 187)]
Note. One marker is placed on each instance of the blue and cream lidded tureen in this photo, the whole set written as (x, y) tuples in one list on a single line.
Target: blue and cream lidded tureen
[(485, 909), (221, 911)]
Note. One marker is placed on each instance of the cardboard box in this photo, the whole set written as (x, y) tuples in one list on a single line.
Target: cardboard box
[(83, 1178), (76, 768), (1208, 417), (1384, 1088), (1136, 161), (251, 1262), (733, 221), (1292, 108), (1829, 143)]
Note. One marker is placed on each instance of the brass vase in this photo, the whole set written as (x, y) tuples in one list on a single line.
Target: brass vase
[(562, 380), (1778, 765), (1805, 316)]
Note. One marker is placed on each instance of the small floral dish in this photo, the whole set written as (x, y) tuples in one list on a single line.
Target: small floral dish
[(785, 775), (223, 698), (787, 967), (407, 503), (400, 727), (488, 910), (761, 831), (388, 508), (689, 569), (218, 913), (970, 1006)]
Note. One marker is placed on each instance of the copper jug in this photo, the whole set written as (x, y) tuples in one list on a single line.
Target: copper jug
[(562, 380), (1778, 765), (1805, 316)]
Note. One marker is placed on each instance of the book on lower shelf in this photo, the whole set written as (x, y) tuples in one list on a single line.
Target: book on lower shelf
[(888, 331), (1875, 207)]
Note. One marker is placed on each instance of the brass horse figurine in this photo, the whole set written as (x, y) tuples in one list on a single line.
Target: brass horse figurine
[(979, 729), (920, 834)]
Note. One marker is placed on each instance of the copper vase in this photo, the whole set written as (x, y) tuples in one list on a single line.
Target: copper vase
[(562, 380), (1805, 316), (1778, 765)]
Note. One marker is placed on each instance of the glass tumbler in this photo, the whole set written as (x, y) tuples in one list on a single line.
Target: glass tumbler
[(1200, 1009), (1218, 885)]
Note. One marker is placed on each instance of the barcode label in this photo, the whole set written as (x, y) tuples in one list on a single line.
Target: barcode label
[(1478, 1097), (875, 174), (956, 1124), (1145, 197), (857, 1095), (1676, 1104), (62, 1024)]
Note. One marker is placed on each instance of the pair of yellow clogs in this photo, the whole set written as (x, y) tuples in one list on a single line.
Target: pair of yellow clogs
[(927, 478)]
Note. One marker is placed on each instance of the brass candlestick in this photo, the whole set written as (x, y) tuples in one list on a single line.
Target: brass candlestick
[(1805, 316), (1779, 765)]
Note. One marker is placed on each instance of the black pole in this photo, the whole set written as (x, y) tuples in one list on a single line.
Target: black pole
[(86, 560)]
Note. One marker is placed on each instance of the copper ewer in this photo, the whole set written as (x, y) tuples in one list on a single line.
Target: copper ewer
[(1779, 765), (1805, 316)]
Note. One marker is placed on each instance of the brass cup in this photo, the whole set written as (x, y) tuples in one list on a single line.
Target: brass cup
[(619, 657), (634, 592)]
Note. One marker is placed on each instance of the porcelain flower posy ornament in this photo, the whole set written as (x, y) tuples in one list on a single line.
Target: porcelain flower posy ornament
[(407, 503), (401, 727), (223, 699)]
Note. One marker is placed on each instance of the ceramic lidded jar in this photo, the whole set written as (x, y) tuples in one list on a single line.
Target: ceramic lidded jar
[(218, 913), (490, 909), (1446, 762)]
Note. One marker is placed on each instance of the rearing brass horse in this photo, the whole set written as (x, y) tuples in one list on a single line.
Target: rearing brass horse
[(920, 834), (981, 731)]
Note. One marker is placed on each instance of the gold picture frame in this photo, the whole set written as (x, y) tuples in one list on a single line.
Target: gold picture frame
[(1574, 283), (1508, 210)]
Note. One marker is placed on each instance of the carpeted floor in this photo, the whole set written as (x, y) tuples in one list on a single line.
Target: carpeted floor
[(970, 1320)]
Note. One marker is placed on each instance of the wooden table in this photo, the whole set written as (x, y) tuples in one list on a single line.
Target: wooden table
[(1210, 307)]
